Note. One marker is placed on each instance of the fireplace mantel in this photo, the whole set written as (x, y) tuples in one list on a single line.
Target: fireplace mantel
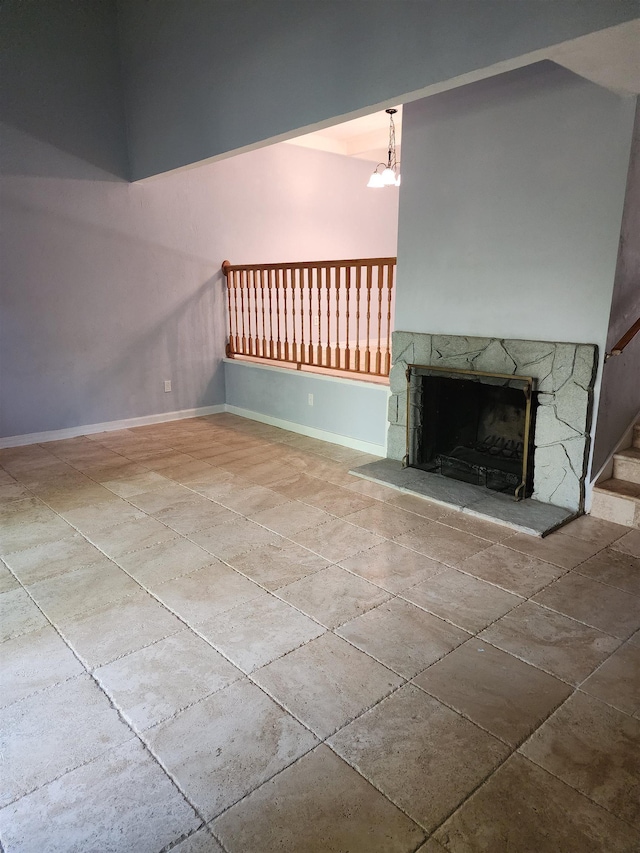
[(565, 374)]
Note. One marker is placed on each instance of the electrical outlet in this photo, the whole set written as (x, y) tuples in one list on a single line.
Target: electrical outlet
[(167, 385), (310, 399), (316, 321)]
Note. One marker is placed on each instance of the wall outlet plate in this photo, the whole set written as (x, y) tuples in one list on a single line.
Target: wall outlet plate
[(167, 385)]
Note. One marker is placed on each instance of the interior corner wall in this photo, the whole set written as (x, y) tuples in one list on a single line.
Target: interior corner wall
[(511, 206), (206, 77), (620, 389), (110, 288)]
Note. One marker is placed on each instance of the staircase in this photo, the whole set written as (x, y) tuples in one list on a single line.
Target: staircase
[(618, 499)]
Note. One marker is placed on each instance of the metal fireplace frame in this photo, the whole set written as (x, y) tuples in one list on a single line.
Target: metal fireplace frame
[(529, 383)]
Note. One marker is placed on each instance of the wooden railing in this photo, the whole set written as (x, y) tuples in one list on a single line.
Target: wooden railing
[(329, 314), (626, 339)]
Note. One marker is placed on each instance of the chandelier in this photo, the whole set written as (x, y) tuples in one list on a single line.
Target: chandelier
[(390, 174)]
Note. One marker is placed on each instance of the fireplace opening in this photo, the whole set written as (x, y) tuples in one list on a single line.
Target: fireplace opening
[(473, 427)]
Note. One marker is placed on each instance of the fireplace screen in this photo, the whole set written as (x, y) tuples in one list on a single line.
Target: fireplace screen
[(472, 426)]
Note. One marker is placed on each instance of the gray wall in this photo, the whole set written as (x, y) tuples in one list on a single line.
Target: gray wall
[(109, 288), (61, 83), (620, 391), (346, 411), (511, 207), (205, 78)]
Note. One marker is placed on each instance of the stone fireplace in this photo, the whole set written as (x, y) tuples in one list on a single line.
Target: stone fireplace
[(561, 400)]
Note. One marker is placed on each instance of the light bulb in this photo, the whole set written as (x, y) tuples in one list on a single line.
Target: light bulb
[(376, 181), (398, 181)]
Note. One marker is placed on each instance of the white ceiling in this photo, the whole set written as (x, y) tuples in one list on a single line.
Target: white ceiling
[(366, 137), (610, 58)]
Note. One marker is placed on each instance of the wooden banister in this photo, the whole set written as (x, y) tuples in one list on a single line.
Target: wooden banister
[(328, 314), (626, 339)]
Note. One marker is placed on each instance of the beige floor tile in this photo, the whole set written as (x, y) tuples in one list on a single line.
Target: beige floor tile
[(152, 501), (337, 500), (595, 749), (563, 551), (275, 566), (421, 506), (122, 801), (393, 566), (384, 519), (419, 753), (370, 489), (511, 570), (194, 513), (617, 681), (629, 543), (215, 483), (12, 491), (206, 592), (252, 500), (113, 630), (299, 486), (555, 643), (132, 536), (54, 731), (333, 595), (233, 538), (596, 531), (500, 693), (183, 471), (291, 517), (614, 568), (318, 805), (442, 543), (7, 580), (226, 745), (402, 637), (154, 683), (134, 484), (157, 460), (254, 634), (82, 590), (469, 603), (337, 540), (20, 533), (431, 846), (92, 518), (477, 526), (33, 662), (326, 683), (67, 501), (55, 558), (23, 511), (166, 561), (525, 809), (18, 614), (200, 842), (603, 607)]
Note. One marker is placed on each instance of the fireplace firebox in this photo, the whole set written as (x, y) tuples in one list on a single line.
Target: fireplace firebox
[(472, 426)]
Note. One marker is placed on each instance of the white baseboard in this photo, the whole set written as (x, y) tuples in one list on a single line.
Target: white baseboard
[(312, 432), (108, 426)]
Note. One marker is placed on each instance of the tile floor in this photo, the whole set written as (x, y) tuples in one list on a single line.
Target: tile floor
[(216, 639)]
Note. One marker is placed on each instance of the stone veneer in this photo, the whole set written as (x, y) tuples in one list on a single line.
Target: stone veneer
[(565, 375)]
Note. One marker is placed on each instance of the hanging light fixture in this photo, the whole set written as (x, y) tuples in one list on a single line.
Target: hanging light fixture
[(390, 174)]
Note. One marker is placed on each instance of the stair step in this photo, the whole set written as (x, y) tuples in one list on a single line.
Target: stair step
[(626, 465), (618, 501)]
